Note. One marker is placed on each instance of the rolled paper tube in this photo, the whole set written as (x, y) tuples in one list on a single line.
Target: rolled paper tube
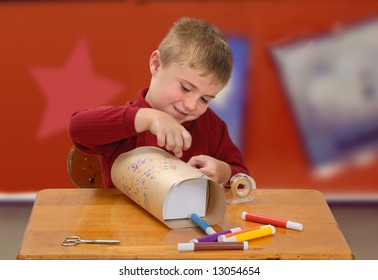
[(203, 246), (261, 232), (214, 237)]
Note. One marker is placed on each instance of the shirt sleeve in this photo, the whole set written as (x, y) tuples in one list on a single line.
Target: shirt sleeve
[(92, 129), (225, 149)]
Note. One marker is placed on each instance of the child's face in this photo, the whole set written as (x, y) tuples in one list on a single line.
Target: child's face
[(181, 91)]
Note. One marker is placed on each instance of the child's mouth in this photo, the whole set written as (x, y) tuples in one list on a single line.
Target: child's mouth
[(180, 113)]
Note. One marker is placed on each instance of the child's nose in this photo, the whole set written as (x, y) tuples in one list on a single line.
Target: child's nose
[(190, 103)]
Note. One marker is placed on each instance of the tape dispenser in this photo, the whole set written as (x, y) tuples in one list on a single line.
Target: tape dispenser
[(242, 189)]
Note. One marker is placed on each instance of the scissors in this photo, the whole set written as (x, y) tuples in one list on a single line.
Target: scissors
[(74, 240)]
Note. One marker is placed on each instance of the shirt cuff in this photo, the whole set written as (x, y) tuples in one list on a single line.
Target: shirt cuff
[(129, 120)]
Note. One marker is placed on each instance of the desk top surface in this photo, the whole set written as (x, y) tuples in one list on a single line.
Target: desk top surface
[(109, 214)]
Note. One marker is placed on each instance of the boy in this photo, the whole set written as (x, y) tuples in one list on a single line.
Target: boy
[(191, 66)]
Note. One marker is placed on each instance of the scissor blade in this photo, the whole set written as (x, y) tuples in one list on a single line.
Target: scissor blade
[(101, 241)]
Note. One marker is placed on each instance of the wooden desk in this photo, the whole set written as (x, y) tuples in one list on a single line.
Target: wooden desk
[(109, 214)]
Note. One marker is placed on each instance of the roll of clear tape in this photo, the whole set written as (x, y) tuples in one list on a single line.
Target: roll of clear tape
[(243, 189)]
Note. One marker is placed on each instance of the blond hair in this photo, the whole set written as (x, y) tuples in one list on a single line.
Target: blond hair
[(200, 45)]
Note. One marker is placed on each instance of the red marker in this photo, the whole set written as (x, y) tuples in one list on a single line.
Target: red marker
[(269, 220)]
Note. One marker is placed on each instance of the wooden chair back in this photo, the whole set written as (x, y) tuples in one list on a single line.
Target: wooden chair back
[(84, 170)]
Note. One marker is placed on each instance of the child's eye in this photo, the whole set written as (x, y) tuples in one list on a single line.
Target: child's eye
[(184, 88), (204, 100)]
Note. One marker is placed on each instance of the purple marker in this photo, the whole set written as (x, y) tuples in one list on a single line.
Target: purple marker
[(214, 237)]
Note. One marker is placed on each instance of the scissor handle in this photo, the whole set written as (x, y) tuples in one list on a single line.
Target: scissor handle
[(71, 241)]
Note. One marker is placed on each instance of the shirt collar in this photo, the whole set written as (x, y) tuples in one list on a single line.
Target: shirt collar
[(141, 98)]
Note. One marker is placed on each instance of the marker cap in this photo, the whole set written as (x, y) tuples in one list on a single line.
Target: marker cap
[(243, 215), (230, 239), (185, 246), (221, 238), (236, 229), (294, 225), (210, 230), (272, 227)]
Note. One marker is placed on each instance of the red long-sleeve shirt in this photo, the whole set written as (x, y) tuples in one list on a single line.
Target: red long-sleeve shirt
[(109, 131)]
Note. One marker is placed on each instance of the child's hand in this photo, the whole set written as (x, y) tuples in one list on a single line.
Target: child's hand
[(216, 169), (170, 134)]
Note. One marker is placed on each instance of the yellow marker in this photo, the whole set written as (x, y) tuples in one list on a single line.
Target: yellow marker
[(263, 231), (223, 237)]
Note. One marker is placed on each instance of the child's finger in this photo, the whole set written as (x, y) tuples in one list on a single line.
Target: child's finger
[(161, 139), (177, 149), (187, 140)]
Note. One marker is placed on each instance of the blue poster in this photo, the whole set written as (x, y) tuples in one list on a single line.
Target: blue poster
[(230, 104)]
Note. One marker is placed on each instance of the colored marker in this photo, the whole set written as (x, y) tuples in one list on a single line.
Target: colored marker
[(269, 220), (201, 224), (214, 237), (202, 246), (263, 231), (222, 237)]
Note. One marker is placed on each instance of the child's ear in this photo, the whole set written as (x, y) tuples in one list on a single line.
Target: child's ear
[(155, 62)]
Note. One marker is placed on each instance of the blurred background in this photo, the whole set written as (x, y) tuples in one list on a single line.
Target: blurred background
[(302, 104)]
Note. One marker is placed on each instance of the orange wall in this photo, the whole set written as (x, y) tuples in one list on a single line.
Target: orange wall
[(119, 37)]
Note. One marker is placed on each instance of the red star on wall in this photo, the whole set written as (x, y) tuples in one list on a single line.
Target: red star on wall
[(70, 88)]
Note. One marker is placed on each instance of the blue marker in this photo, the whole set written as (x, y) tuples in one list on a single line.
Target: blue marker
[(201, 224)]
